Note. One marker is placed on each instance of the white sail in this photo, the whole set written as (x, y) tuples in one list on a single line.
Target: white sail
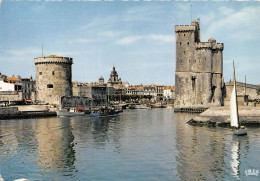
[(233, 104)]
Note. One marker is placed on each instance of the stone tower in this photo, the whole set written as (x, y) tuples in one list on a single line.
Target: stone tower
[(53, 78), (199, 69), (114, 80)]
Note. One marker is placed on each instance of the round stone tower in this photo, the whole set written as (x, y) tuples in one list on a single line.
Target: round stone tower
[(53, 78)]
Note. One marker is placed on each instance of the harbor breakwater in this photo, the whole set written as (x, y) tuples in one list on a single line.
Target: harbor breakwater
[(220, 116), (25, 112)]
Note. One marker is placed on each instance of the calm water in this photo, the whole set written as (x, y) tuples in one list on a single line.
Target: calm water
[(137, 145)]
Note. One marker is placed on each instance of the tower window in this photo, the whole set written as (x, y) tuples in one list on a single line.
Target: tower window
[(193, 82), (40, 73), (52, 72), (188, 43), (50, 86), (184, 52), (183, 34), (180, 43)]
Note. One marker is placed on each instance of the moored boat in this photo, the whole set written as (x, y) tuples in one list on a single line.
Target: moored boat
[(70, 112), (104, 112)]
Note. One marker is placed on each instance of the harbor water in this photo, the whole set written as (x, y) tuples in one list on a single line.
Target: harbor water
[(154, 144)]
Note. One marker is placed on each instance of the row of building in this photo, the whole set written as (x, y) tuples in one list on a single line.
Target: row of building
[(15, 90), (53, 83)]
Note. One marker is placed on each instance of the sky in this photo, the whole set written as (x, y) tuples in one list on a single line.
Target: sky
[(137, 37)]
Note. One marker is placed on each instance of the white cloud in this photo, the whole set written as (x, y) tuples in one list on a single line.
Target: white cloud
[(25, 51), (226, 11), (129, 40), (153, 37), (241, 24), (163, 38), (209, 18), (84, 40), (108, 33)]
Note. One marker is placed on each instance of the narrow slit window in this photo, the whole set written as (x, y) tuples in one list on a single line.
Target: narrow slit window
[(50, 86), (53, 73)]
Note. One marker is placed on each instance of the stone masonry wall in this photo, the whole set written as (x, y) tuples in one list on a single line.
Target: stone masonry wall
[(199, 69), (11, 96), (53, 78)]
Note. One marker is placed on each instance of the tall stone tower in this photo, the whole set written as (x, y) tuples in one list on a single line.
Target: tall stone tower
[(199, 69), (53, 78)]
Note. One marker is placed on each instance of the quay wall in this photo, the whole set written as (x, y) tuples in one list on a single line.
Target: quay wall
[(11, 96), (14, 113), (8, 110), (221, 116)]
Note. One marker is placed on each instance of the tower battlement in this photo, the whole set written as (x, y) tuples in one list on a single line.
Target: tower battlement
[(203, 45), (184, 28), (53, 59), (218, 46), (209, 46)]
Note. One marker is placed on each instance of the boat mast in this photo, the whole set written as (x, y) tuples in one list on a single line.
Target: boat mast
[(245, 85), (235, 87)]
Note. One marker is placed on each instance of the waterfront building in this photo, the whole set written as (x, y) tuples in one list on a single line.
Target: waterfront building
[(150, 91), (9, 92), (97, 94), (199, 69), (113, 79), (28, 89), (159, 92), (5, 86), (134, 90), (125, 84), (168, 92), (101, 81), (53, 78), (17, 89)]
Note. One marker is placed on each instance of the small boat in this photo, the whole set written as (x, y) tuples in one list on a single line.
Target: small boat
[(234, 117), (158, 106), (141, 106), (70, 112), (105, 112)]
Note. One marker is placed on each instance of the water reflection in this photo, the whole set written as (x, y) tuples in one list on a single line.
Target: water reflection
[(106, 130), (238, 145), (201, 150), (137, 145), (8, 140), (55, 143)]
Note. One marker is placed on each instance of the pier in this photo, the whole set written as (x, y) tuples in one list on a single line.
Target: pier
[(190, 110)]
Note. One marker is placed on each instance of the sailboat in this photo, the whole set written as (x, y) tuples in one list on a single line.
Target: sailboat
[(234, 117)]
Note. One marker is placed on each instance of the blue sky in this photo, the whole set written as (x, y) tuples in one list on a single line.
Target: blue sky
[(137, 37)]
